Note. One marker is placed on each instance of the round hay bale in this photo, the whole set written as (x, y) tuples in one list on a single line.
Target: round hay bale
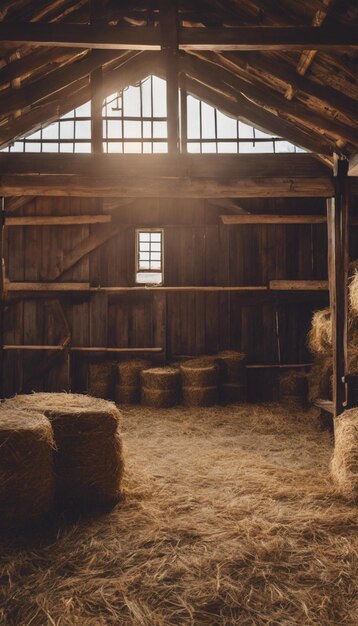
[(344, 463), (320, 378), (232, 392), (199, 373), (159, 398), (128, 372), (232, 366), (27, 477), (293, 387), (161, 378), (100, 379), (89, 460), (127, 394), (200, 396)]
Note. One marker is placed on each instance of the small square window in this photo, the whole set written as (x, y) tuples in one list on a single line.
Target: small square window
[(149, 257)]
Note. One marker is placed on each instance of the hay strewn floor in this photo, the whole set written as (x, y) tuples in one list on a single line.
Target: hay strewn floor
[(230, 518)]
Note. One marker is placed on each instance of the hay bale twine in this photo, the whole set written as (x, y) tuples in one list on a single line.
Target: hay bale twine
[(127, 394), (232, 367), (89, 459), (27, 477), (320, 378), (200, 396), (293, 387), (100, 380), (128, 372), (231, 392), (159, 398), (161, 378), (344, 463), (198, 373)]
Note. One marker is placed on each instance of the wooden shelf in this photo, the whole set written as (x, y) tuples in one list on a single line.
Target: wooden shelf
[(80, 348), (57, 220), (273, 219)]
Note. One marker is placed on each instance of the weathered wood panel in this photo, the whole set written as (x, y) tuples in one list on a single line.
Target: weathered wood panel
[(198, 250)]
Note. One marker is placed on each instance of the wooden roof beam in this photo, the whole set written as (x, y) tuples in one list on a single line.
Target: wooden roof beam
[(284, 73), (241, 108), (308, 55), (266, 97), (266, 38)]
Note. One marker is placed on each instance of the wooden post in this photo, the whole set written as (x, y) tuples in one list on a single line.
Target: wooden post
[(183, 115), (169, 39), (2, 296), (337, 220), (96, 82)]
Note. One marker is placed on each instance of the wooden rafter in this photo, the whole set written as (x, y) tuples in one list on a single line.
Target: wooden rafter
[(266, 97)]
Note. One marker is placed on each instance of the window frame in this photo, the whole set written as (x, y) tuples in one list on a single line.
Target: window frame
[(138, 270)]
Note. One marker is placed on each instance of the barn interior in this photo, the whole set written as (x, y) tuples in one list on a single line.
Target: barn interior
[(179, 246)]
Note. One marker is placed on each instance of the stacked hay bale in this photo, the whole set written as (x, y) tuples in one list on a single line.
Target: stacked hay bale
[(88, 459), (232, 371), (27, 477), (293, 387), (320, 345), (127, 389), (160, 387), (344, 464), (100, 380), (200, 382)]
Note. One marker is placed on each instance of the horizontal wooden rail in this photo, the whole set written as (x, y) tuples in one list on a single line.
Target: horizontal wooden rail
[(273, 219), (298, 38), (278, 366), (275, 285), (56, 220), (15, 286), (165, 176), (79, 348), (298, 285)]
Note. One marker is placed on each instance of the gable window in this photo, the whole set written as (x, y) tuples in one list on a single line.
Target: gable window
[(149, 256)]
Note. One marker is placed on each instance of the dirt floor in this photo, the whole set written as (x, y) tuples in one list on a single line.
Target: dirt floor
[(229, 518)]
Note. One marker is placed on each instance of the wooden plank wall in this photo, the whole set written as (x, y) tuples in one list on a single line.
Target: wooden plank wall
[(269, 327)]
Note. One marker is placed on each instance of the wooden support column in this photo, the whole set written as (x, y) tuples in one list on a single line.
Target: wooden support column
[(337, 221), (183, 115), (169, 38), (2, 296), (96, 81)]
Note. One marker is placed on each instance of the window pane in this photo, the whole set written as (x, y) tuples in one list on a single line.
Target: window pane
[(227, 126), (144, 236), (131, 101), (159, 97), (51, 132), (208, 121), (193, 118), (83, 130), (66, 130), (132, 130)]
